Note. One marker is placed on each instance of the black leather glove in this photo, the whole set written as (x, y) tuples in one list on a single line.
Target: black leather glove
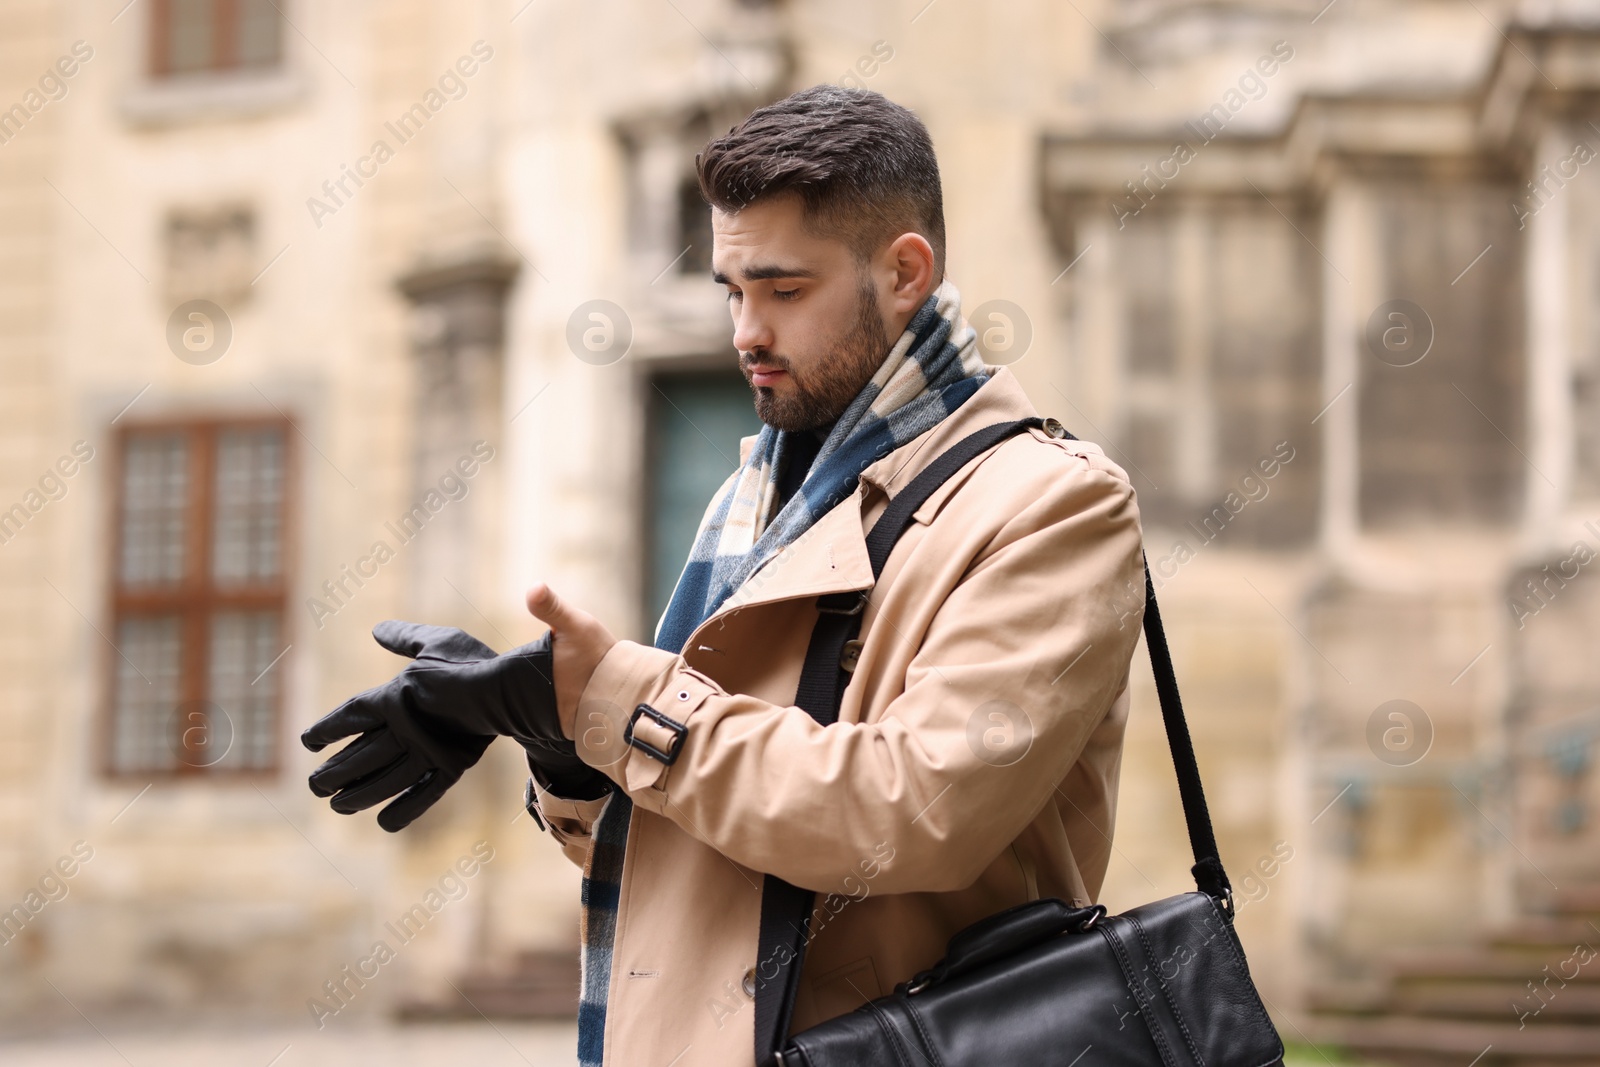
[(422, 729)]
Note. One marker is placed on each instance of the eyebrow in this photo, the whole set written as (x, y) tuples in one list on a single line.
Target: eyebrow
[(766, 273)]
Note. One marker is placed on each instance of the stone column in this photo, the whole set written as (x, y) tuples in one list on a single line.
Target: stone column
[(1549, 360), (659, 168), (450, 534), (1195, 412), (1351, 278), (1351, 281), (1098, 379)]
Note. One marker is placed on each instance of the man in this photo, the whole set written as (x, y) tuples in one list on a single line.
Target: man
[(975, 758)]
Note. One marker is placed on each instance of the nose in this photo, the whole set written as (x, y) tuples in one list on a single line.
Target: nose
[(750, 328)]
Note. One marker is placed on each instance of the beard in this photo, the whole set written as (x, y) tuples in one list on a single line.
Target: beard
[(820, 394)]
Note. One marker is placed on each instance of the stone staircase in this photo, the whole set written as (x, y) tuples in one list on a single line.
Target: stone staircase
[(1526, 996), (538, 985)]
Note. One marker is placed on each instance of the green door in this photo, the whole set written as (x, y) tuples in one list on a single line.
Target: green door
[(696, 419)]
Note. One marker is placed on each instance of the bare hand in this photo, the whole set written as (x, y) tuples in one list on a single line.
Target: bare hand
[(578, 643)]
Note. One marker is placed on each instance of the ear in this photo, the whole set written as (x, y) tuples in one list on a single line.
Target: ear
[(909, 258)]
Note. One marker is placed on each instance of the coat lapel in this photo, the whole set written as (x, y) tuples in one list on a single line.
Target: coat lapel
[(831, 556)]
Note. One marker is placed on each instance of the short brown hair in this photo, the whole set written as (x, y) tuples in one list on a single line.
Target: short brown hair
[(862, 164)]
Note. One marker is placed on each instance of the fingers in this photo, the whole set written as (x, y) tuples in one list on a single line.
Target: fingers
[(369, 753), (380, 785), (570, 623), (354, 716), (403, 638), (544, 605), (417, 639), (416, 800)]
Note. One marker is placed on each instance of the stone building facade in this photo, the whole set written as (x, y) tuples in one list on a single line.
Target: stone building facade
[(1324, 280)]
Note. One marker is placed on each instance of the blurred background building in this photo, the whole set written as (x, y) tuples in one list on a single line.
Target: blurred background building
[(313, 315)]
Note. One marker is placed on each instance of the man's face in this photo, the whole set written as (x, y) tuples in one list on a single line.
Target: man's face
[(806, 317)]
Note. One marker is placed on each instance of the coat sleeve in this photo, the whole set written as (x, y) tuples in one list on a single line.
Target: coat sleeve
[(1017, 667), (571, 822)]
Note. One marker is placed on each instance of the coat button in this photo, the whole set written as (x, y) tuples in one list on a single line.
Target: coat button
[(749, 983), (1053, 427), (850, 654)]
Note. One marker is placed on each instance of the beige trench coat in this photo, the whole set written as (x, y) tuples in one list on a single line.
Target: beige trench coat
[(974, 764)]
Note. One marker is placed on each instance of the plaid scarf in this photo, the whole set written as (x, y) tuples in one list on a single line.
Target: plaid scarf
[(931, 370)]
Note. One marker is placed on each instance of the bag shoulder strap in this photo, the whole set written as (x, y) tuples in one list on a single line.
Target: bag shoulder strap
[(1208, 874), (823, 678), (785, 908)]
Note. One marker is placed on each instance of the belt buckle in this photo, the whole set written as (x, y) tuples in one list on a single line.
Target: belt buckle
[(679, 732)]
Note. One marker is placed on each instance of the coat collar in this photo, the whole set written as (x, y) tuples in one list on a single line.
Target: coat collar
[(831, 556)]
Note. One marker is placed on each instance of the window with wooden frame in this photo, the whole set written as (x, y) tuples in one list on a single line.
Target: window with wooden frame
[(199, 580), (200, 36)]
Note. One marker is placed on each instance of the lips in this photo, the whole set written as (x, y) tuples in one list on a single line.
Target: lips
[(763, 375)]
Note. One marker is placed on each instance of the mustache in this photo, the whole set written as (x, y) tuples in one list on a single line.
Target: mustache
[(746, 359)]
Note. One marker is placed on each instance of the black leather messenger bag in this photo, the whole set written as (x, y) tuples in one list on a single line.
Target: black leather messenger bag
[(1042, 984)]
